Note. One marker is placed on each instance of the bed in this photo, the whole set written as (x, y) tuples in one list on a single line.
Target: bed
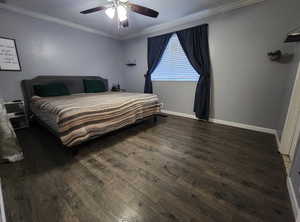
[(81, 116)]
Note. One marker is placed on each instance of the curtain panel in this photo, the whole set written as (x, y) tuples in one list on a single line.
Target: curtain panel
[(194, 42), (156, 47)]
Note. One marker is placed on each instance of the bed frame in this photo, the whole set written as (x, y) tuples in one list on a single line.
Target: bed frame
[(74, 84)]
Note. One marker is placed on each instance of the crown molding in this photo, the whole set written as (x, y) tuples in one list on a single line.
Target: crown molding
[(187, 20), (54, 20)]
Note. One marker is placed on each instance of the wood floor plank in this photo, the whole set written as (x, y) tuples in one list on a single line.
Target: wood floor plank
[(193, 163), (169, 183), (177, 169)]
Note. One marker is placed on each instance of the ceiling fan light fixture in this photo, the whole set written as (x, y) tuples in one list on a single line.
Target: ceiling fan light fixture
[(122, 13), (123, 18), (120, 10), (110, 12)]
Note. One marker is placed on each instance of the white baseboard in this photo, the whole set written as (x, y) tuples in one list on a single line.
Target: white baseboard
[(2, 211), (293, 199), (277, 140), (244, 126), (179, 114), (227, 123)]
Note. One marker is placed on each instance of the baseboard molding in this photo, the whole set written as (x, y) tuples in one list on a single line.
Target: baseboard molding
[(277, 140), (227, 123), (293, 199), (179, 114), (2, 211), (244, 126)]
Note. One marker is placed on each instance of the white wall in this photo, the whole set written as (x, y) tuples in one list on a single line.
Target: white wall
[(51, 49), (247, 87)]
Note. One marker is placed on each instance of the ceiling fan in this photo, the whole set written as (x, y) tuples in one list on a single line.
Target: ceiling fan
[(121, 7)]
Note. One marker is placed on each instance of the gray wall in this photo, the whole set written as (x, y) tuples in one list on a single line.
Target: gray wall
[(51, 49), (247, 87)]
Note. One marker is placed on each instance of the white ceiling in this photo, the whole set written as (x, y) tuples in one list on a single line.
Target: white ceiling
[(69, 10)]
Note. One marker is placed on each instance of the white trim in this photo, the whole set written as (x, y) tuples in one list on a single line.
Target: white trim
[(249, 127), (54, 20), (293, 199), (179, 114), (278, 140), (2, 211), (150, 30), (193, 18), (244, 126), (227, 123)]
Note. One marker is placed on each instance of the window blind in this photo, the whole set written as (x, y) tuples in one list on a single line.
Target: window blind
[(174, 65)]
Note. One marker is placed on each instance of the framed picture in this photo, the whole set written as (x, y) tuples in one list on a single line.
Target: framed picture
[(9, 58)]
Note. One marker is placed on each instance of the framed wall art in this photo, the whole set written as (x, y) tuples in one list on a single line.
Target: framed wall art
[(9, 58)]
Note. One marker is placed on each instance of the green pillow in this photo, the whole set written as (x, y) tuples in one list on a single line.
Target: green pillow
[(51, 89), (94, 86)]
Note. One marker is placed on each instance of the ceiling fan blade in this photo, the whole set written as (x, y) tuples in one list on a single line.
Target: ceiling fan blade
[(143, 10), (100, 8)]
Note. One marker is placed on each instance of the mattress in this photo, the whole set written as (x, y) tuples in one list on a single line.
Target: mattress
[(80, 117)]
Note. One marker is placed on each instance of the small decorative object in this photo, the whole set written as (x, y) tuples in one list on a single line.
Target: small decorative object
[(280, 57), (293, 36), (275, 56), (9, 58), (131, 63), (116, 88)]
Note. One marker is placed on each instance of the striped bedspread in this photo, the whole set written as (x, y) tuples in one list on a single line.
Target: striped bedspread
[(81, 117)]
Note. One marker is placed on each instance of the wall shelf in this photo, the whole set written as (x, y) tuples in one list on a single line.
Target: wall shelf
[(131, 64)]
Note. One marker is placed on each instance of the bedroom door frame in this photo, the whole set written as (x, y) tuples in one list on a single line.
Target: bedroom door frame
[(291, 131)]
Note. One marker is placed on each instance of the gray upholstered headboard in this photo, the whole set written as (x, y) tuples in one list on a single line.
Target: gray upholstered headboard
[(74, 84)]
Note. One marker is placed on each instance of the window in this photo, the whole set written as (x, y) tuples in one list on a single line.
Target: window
[(174, 65)]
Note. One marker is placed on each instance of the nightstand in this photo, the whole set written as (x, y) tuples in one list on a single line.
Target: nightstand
[(119, 90), (16, 114)]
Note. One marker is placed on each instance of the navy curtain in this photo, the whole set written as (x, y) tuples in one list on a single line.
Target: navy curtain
[(194, 42), (156, 48)]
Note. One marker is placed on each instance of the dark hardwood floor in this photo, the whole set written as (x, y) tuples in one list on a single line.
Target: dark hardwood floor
[(176, 169)]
